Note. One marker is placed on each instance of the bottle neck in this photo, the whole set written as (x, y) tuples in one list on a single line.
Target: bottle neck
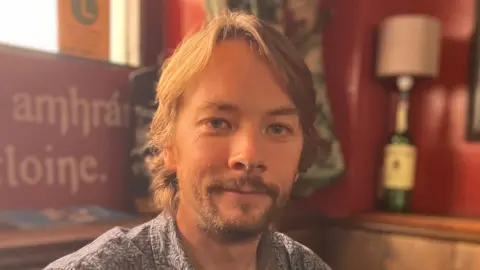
[(401, 121)]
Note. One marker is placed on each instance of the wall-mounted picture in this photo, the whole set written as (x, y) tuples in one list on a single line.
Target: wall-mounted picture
[(473, 123)]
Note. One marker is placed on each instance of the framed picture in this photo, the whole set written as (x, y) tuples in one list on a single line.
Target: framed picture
[(473, 123), (143, 83)]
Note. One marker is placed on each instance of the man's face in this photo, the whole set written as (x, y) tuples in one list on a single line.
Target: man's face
[(237, 144)]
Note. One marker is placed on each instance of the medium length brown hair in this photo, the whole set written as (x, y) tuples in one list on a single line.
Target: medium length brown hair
[(191, 57)]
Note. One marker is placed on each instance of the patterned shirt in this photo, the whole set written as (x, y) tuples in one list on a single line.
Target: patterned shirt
[(156, 245)]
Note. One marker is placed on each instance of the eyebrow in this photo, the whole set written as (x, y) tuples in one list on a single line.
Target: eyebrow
[(228, 107), (283, 111), (219, 106)]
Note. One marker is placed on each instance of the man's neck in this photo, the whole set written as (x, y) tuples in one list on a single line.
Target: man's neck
[(204, 252)]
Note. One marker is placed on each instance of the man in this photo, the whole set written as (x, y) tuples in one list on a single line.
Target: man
[(235, 128)]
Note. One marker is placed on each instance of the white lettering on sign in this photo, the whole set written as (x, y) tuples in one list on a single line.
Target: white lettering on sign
[(31, 170), (68, 113)]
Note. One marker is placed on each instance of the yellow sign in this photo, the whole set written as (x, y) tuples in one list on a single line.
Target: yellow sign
[(84, 28)]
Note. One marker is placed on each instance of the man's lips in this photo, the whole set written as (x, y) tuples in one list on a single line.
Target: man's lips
[(243, 191)]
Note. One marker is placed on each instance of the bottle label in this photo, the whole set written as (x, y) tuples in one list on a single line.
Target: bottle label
[(399, 166)]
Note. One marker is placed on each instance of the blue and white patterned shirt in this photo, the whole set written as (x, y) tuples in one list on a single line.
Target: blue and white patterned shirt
[(155, 245)]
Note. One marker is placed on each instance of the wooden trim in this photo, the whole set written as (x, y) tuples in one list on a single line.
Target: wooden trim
[(34, 249), (37, 257), (457, 224), (14, 238), (52, 56), (433, 227)]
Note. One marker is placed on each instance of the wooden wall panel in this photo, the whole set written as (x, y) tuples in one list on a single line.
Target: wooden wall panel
[(417, 253), (358, 249), (467, 257)]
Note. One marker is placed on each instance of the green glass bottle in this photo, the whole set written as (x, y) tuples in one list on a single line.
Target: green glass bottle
[(399, 164)]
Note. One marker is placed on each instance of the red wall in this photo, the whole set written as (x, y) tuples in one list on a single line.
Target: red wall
[(363, 106), (446, 176)]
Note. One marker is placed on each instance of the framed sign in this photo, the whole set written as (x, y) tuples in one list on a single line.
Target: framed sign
[(64, 135), (84, 28)]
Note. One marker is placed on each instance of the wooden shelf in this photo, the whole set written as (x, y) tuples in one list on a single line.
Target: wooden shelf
[(457, 224), (34, 249), (444, 228), (377, 241), (15, 238), (437, 227)]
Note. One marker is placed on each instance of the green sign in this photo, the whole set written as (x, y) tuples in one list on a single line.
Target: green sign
[(85, 11)]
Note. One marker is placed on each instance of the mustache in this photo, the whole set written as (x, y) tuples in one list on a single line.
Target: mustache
[(253, 183)]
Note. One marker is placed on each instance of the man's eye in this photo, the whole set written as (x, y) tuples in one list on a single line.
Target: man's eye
[(218, 123), (279, 129)]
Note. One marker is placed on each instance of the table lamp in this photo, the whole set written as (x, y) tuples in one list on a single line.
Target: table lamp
[(408, 48)]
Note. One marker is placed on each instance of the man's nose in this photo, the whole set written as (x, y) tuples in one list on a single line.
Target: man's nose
[(247, 153)]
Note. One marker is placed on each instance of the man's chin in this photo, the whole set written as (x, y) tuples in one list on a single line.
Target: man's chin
[(235, 224), (243, 222), (254, 220), (227, 230), (252, 216)]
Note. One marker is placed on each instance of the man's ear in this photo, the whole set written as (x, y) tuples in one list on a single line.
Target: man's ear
[(169, 159)]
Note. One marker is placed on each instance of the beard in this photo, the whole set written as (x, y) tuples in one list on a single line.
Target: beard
[(253, 220)]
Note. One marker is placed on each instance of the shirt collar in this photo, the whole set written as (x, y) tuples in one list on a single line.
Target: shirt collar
[(166, 245)]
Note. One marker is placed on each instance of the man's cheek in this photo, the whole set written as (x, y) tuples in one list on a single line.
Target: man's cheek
[(208, 160)]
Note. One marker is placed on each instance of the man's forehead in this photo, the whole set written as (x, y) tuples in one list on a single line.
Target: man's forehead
[(234, 64), (236, 79)]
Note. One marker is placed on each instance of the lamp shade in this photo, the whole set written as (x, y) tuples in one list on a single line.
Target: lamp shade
[(409, 45)]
